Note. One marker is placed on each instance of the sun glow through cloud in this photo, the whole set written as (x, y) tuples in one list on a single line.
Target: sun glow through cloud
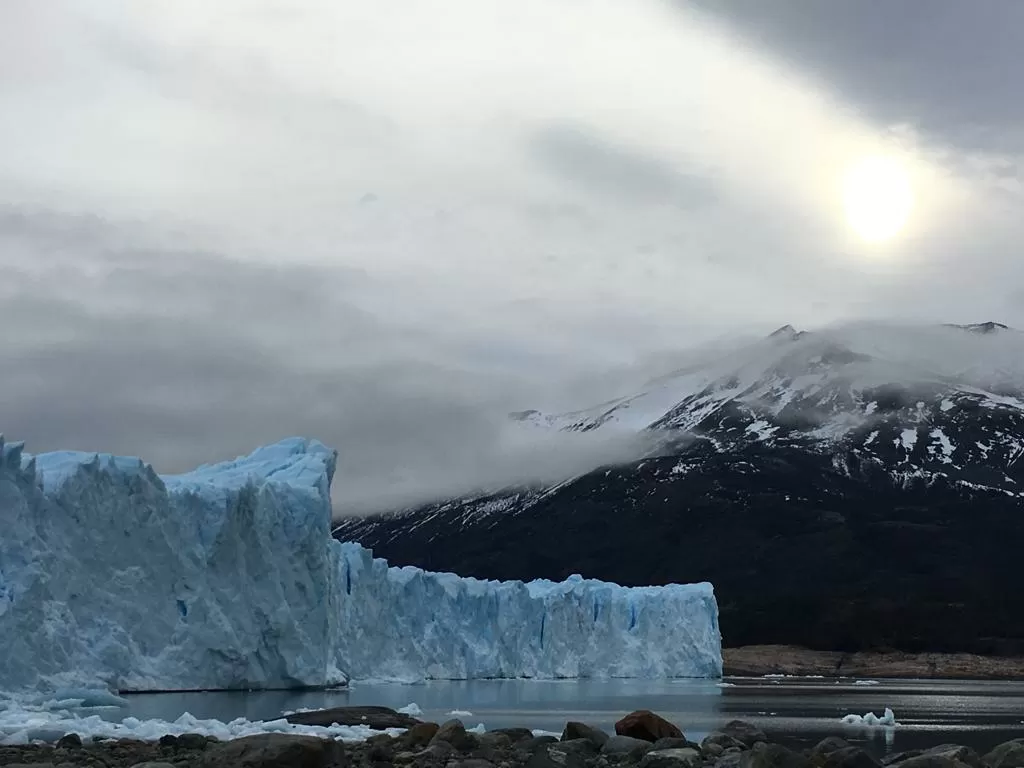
[(877, 198)]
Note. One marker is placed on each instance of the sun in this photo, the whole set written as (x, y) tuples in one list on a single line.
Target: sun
[(877, 198)]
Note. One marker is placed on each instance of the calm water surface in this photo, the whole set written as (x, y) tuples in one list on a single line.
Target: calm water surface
[(799, 711)]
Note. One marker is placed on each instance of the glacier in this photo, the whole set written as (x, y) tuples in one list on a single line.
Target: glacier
[(227, 578)]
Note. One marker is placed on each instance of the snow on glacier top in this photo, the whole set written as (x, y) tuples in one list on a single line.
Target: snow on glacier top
[(294, 461)]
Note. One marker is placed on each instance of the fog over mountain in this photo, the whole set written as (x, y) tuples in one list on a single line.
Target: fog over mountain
[(388, 227)]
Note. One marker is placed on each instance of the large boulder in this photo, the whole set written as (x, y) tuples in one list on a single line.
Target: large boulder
[(557, 756), (378, 718), (681, 757), (574, 730), (942, 756), (644, 724), (1009, 754), (419, 735), (723, 740), (626, 745), (454, 732), (274, 750), (744, 732), (829, 745), (849, 757), (517, 735), (773, 756)]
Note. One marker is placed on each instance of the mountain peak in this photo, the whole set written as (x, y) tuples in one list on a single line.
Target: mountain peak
[(983, 328), (787, 332)]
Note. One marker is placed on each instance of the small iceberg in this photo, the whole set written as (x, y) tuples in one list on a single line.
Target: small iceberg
[(871, 720)]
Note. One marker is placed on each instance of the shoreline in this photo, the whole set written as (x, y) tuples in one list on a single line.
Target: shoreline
[(641, 739), (763, 660)]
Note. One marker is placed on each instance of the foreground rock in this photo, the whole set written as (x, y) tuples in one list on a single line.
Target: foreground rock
[(430, 745), (644, 724)]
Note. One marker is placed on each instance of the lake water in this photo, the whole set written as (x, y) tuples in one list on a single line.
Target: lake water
[(799, 711)]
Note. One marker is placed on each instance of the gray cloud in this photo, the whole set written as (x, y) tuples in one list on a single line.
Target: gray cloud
[(200, 370), (948, 67), (225, 223), (621, 173)]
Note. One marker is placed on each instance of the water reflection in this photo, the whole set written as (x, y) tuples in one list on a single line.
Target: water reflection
[(799, 711)]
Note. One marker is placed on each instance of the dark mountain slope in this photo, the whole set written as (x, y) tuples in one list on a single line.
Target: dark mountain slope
[(837, 499)]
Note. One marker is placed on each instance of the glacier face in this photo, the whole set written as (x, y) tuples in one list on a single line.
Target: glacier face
[(227, 577)]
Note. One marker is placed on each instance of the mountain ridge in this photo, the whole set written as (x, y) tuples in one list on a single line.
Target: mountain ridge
[(811, 456)]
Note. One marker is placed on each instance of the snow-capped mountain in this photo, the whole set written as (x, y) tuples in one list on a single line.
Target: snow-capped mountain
[(811, 448)]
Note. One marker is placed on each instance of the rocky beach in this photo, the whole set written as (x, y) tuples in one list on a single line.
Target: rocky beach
[(760, 660), (642, 739)]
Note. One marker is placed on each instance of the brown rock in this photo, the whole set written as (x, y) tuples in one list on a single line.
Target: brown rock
[(419, 735), (378, 718), (644, 724)]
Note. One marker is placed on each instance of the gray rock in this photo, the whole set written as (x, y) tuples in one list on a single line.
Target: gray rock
[(194, 742), (69, 741), (380, 749), (556, 756), (516, 734), (850, 757), (712, 750), (680, 757), (899, 757), (955, 752), (674, 743), (273, 750), (764, 755), (829, 745), (723, 740), (403, 758), (454, 732), (474, 762), (626, 745), (437, 751), (730, 759), (154, 764), (1009, 754), (419, 735), (744, 732), (534, 743), (928, 761), (495, 740), (574, 730), (581, 746)]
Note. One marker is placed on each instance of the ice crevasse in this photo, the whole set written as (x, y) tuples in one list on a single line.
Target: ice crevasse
[(227, 577)]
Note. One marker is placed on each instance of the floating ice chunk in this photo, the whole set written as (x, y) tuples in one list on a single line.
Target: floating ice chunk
[(866, 682), (92, 697), (26, 723), (871, 720), (460, 713), (413, 710)]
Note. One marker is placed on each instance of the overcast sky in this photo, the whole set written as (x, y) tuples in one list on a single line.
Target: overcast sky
[(386, 223)]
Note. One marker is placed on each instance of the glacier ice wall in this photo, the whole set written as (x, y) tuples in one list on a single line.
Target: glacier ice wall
[(439, 625), (227, 577)]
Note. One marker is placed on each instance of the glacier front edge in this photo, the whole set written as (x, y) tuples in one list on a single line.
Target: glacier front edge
[(227, 577)]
